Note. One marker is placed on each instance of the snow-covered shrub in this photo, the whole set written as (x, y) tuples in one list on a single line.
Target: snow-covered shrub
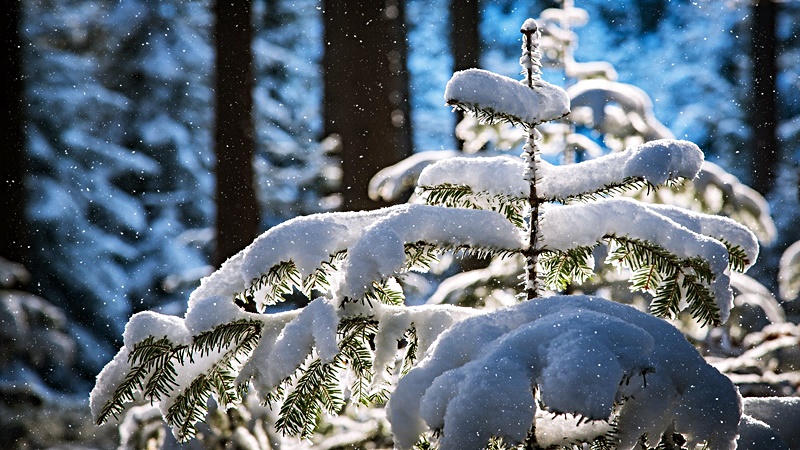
[(556, 371)]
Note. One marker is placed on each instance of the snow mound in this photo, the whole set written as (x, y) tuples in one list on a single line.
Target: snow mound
[(580, 355)]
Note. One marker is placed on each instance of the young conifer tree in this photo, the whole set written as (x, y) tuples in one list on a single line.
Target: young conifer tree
[(556, 371)]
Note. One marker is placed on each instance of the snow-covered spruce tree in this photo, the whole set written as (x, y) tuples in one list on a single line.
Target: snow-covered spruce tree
[(554, 371)]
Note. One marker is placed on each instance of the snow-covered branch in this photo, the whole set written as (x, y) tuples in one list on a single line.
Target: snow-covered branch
[(504, 98), (381, 249), (655, 163)]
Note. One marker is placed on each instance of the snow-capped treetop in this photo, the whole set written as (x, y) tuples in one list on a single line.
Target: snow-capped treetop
[(579, 355), (529, 26), (500, 96)]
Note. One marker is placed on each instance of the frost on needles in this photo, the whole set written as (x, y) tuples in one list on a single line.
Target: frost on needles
[(553, 371)]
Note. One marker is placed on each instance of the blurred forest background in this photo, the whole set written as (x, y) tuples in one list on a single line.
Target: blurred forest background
[(147, 141)]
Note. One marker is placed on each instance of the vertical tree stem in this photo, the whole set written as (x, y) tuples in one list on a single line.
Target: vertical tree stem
[(531, 254), (529, 154)]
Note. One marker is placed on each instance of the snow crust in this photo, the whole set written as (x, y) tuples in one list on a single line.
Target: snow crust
[(476, 88), (581, 354)]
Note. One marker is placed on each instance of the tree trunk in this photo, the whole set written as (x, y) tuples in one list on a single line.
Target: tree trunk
[(465, 39), (763, 111), (366, 90), (13, 229), (237, 206)]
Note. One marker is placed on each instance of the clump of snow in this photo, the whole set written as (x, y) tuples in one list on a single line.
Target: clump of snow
[(571, 226), (683, 158), (226, 281), (492, 175), (757, 435), (581, 354), (564, 429), (207, 313), (529, 26), (314, 327), (738, 200), (717, 227), (256, 368), (380, 250), (476, 88), (656, 162), (148, 323), (307, 241)]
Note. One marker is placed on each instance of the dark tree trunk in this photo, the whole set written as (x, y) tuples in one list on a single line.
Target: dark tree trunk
[(13, 231), (763, 111), (465, 39), (237, 206), (366, 90)]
